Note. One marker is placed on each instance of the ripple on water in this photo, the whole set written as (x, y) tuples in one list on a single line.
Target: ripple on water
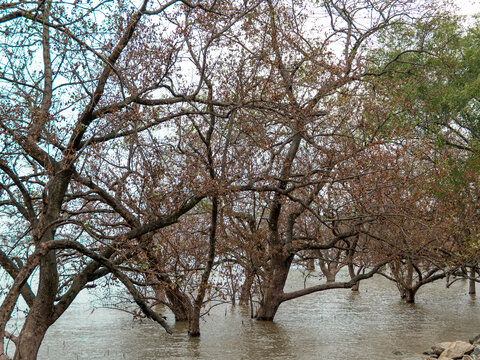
[(335, 324)]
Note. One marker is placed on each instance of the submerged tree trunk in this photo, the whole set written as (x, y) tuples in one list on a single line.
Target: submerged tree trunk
[(351, 267), (351, 272), (330, 277), (410, 295), (471, 281), (179, 303), (409, 288), (328, 270), (194, 323), (274, 292), (194, 319)]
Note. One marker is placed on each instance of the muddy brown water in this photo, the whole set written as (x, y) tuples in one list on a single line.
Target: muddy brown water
[(335, 324)]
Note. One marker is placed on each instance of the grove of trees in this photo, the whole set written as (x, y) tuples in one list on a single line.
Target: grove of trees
[(198, 151)]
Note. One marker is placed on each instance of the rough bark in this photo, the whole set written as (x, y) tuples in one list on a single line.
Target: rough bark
[(274, 292), (410, 295), (179, 303), (41, 314)]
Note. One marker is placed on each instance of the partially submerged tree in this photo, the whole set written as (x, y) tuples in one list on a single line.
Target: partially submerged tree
[(276, 128), (82, 188), (311, 104)]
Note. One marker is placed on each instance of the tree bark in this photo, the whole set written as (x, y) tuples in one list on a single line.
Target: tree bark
[(410, 295), (179, 304), (471, 281), (41, 315), (274, 293), (330, 277), (32, 334), (246, 288), (194, 319), (194, 323)]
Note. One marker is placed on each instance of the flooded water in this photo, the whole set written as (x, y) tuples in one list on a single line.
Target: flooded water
[(334, 324)]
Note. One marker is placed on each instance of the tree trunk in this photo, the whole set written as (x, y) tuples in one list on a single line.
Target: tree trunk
[(40, 316), (471, 281), (32, 334), (194, 323), (410, 295), (179, 303), (409, 292), (330, 277), (351, 272), (246, 288), (274, 292), (194, 318)]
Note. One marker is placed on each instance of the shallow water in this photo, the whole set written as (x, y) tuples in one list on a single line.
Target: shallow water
[(335, 324)]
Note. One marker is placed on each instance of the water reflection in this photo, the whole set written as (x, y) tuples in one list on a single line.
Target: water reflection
[(337, 324)]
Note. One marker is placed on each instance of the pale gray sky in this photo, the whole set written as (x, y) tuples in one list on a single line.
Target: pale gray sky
[(468, 7)]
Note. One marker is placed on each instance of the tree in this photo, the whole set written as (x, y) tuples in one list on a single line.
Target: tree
[(76, 175), (309, 102), (436, 92)]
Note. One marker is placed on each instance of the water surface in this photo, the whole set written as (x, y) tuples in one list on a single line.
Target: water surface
[(334, 324)]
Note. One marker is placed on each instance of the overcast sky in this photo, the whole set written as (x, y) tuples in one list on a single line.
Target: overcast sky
[(468, 7)]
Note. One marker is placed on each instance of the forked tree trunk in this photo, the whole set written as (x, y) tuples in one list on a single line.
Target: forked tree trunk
[(351, 268), (328, 270), (330, 277), (351, 272), (194, 316)]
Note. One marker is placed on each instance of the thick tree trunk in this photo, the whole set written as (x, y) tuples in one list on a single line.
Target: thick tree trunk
[(274, 293), (32, 334), (410, 295), (328, 270), (409, 292), (179, 304), (330, 277), (194, 323), (41, 314), (471, 281)]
